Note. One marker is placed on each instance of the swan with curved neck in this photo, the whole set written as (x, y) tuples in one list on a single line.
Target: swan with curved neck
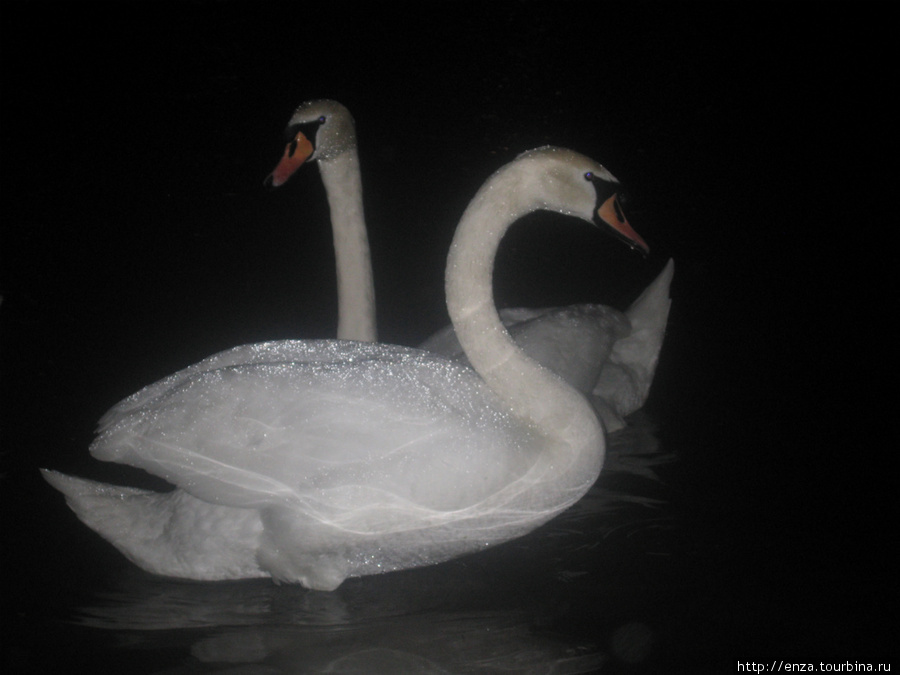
[(314, 461), (605, 354)]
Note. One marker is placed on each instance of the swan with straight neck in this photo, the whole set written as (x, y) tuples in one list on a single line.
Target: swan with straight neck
[(323, 131)]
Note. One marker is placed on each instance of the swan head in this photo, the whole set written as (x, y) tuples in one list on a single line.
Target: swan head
[(570, 183), (317, 131)]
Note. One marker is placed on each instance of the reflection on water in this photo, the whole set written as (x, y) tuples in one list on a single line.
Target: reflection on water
[(561, 600), (434, 642)]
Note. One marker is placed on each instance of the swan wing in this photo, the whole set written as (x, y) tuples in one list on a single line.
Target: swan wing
[(323, 426), (263, 352)]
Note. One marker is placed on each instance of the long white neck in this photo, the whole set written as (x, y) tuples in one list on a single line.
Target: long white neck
[(533, 393), (356, 288)]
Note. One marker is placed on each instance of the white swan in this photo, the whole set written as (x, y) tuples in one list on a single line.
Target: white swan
[(313, 461), (323, 131), (600, 351)]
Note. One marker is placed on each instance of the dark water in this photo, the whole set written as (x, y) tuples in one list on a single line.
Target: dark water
[(137, 239)]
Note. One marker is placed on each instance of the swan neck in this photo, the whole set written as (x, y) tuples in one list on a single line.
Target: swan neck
[(356, 287), (532, 392)]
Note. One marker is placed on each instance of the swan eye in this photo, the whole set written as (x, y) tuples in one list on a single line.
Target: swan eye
[(589, 176), (322, 119)]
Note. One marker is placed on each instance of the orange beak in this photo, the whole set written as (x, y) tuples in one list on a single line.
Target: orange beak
[(295, 154), (611, 213)]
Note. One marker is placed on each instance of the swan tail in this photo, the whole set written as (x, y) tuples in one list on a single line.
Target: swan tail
[(109, 510), (651, 309), (625, 379), (171, 534)]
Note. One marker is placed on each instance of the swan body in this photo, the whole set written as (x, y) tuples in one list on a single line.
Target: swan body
[(607, 355), (313, 461)]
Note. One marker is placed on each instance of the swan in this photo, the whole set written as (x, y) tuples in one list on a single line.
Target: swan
[(314, 461), (605, 354), (324, 132)]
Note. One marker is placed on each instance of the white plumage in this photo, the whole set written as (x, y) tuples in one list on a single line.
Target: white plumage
[(312, 461)]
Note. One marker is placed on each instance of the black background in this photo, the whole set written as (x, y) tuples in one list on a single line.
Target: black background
[(752, 138)]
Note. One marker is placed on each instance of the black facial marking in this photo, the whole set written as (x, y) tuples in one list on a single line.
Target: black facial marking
[(308, 128), (605, 188), (619, 213)]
